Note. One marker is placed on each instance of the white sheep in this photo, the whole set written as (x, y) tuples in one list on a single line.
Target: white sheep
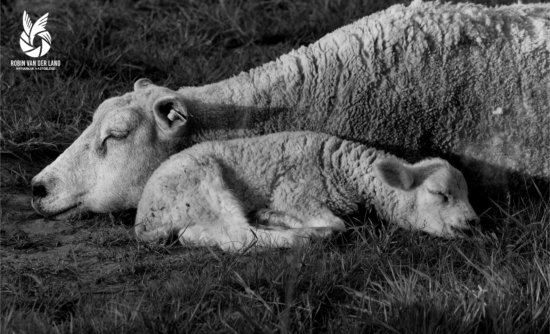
[(424, 79), (294, 184), (461, 81)]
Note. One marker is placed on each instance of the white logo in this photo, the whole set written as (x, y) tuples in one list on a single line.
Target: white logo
[(38, 29)]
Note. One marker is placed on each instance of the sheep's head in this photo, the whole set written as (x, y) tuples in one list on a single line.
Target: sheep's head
[(106, 168), (432, 196)]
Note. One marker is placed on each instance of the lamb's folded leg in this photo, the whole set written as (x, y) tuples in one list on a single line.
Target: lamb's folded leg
[(297, 207), (193, 201), (279, 221), (272, 219)]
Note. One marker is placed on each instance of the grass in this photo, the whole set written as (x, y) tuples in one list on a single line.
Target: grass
[(90, 275)]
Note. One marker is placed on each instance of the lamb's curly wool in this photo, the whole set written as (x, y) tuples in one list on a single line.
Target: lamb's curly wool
[(459, 80), (294, 183)]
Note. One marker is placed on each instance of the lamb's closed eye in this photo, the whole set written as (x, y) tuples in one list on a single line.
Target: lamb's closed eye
[(441, 194)]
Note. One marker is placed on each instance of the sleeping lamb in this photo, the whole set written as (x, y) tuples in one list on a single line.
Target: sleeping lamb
[(294, 184)]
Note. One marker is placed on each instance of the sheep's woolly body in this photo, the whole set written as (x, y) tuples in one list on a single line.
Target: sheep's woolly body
[(424, 79), (292, 181)]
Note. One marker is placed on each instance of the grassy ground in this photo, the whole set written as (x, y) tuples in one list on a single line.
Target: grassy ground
[(90, 275)]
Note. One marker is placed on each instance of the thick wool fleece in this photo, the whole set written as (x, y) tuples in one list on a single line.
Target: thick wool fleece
[(464, 81)]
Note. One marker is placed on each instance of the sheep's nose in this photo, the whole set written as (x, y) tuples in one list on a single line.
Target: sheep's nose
[(39, 190)]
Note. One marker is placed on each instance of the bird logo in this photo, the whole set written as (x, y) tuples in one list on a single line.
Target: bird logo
[(30, 31)]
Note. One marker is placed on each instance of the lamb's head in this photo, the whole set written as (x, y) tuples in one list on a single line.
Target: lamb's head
[(431, 196), (106, 168)]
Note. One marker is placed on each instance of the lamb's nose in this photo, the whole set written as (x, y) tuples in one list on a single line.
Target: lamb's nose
[(39, 190), (473, 221)]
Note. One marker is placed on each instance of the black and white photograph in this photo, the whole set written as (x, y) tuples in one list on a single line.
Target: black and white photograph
[(275, 166)]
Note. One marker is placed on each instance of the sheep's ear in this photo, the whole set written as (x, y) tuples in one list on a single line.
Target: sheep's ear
[(171, 117), (142, 83), (395, 174)]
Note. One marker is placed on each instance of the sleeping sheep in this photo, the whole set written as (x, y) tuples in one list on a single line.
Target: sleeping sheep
[(294, 184), (461, 81)]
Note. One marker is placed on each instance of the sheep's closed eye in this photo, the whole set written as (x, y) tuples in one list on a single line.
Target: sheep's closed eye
[(118, 134), (115, 135)]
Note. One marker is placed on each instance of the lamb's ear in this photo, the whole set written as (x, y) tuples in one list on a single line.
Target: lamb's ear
[(171, 117), (424, 169), (395, 174), (142, 83)]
